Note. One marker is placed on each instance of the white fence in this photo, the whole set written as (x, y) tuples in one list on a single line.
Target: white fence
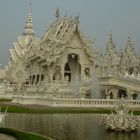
[(74, 103), (94, 103)]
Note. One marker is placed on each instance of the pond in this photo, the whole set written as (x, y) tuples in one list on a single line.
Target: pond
[(67, 126)]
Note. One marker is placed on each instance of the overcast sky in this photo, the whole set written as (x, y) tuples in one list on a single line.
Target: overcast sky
[(98, 18)]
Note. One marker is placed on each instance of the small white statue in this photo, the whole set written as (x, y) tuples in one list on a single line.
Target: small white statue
[(130, 93)]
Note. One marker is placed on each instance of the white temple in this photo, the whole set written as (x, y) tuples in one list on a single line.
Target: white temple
[(62, 64)]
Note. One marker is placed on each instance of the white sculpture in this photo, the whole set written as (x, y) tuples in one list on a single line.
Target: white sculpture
[(108, 93), (3, 116), (121, 120), (126, 75), (130, 93)]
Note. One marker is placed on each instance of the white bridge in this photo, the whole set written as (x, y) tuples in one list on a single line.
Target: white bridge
[(121, 83), (73, 103)]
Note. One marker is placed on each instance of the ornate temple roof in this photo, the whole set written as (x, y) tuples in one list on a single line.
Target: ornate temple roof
[(61, 30), (58, 37), (23, 41), (53, 43), (29, 25), (14, 55)]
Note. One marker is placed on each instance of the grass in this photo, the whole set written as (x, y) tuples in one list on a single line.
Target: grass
[(18, 109), (136, 112), (50, 110), (22, 109), (21, 135), (5, 100)]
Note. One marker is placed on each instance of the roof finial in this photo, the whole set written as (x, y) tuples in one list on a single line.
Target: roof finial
[(129, 43), (129, 38), (110, 44), (30, 4), (77, 17), (66, 13), (29, 26), (110, 37), (57, 14)]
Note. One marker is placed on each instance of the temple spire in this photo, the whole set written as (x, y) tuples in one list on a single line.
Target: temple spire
[(129, 40), (129, 44), (110, 44), (29, 25), (110, 38), (57, 14)]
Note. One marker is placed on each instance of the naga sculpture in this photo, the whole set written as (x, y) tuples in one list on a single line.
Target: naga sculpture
[(123, 119)]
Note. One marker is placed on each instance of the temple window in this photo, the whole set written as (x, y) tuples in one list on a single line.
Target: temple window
[(37, 80), (67, 68), (72, 68), (33, 78), (122, 93), (42, 77), (87, 72), (58, 33), (67, 74), (30, 78)]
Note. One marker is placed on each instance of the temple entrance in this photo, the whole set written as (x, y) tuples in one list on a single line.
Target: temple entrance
[(122, 93), (134, 96), (72, 70)]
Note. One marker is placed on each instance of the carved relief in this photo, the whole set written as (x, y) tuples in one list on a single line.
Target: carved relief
[(57, 77), (87, 72), (130, 93), (18, 74)]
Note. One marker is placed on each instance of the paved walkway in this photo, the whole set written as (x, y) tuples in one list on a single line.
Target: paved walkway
[(6, 137)]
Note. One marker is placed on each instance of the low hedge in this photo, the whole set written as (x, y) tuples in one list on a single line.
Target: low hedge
[(21, 135)]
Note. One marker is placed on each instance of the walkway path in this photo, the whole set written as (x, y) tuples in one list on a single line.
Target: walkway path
[(6, 137)]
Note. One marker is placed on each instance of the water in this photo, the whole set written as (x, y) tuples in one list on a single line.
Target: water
[(66, 126)]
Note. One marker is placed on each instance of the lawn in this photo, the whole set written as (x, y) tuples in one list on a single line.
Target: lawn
[(45, 110), (28, 109)]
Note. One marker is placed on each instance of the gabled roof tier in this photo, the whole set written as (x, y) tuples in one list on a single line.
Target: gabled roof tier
[(14, 55), (18, 48), (58, 37), (23, 40)]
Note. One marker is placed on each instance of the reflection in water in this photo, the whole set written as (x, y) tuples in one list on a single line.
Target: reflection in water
[(66, 126)]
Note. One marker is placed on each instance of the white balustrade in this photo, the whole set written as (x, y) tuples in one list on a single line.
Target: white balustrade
[(97, 103)]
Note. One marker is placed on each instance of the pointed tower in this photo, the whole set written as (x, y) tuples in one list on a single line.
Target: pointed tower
[(129, 46), (110, 44), (29, 25), (57, 14)]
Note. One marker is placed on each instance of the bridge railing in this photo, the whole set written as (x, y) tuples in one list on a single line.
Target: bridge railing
[(73, 102), (95, 103)]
